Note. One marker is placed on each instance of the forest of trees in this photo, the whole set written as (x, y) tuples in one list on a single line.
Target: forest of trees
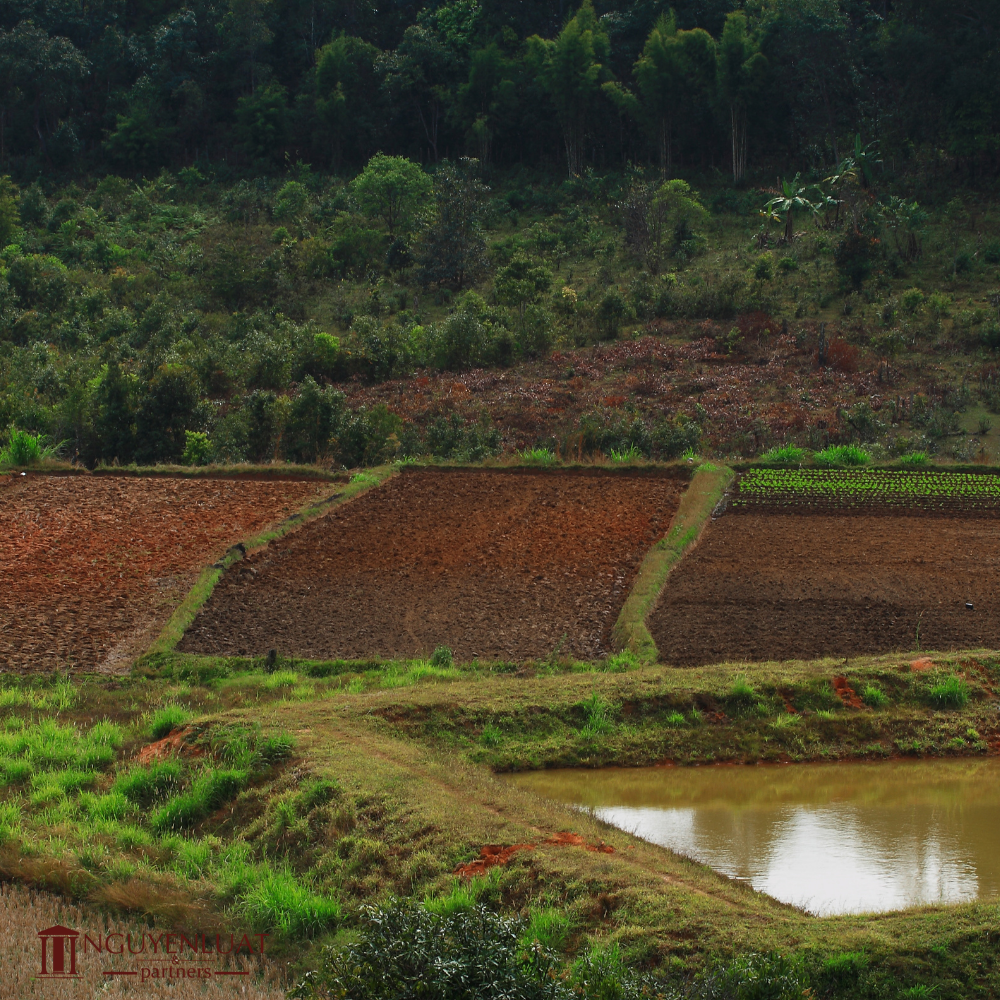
[(250, 86)]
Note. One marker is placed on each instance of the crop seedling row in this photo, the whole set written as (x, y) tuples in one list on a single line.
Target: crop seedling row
[(825, 489)]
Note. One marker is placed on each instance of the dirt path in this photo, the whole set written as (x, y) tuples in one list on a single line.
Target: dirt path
[(492, 564), (774, 587), (91, 567)]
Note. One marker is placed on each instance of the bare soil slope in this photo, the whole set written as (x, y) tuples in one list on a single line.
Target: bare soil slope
[(493, 564), (91, 567)]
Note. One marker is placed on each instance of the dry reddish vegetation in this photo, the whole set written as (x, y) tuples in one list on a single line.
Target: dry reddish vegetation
[(750, 398), (493, 564), (93, 566), (776, 587)]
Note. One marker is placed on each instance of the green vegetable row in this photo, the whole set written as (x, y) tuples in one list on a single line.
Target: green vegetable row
[(852, 486)]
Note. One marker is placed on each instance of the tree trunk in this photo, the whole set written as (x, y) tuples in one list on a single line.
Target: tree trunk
[(738, 126)]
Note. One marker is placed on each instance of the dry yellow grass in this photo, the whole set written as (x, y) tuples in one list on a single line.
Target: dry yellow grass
[(23, 912)]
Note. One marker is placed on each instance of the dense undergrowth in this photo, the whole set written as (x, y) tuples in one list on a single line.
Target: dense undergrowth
[(193, 321)]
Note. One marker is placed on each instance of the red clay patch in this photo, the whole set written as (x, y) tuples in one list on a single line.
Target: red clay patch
[(91, 567), (923, 663), (492, 855), (173, 745), (846, 693)]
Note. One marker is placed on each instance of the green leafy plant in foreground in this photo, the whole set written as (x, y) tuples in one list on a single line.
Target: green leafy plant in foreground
[(166, 719), (874, 697), (537, 456), (785, 454), (844, 454), (23, 448), (629, 454), (952, 692)]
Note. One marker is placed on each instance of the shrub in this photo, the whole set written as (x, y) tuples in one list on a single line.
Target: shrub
[(23, 448), (441, 657), (629, 454), (537, 456), (197, 448), (952, 692), (914, 459), (491, 736), (874, 697), (845, 454), (785, 454), (406, 950), (620, 662), (598, 715), (166, 719)]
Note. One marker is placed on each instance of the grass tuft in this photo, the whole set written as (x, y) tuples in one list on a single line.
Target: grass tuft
[(952, 692), (784, 454), (844, 454), (167, 719)]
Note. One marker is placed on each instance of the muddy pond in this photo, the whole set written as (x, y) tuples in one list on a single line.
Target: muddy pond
[(830, 838)]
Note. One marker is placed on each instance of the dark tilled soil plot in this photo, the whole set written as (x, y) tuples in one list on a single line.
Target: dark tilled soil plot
[(776, 587), (493, 564)]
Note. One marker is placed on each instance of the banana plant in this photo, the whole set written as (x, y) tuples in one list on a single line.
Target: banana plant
[(792, 199)]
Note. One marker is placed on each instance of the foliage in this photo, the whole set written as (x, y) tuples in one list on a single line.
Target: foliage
[(167, 719), (843, 454), (23, 448), (392, 189), (452, 250), (890, 487), (407, 951), (952, 692)]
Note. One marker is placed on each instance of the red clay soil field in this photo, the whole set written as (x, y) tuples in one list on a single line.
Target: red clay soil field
[(501, 565), (91, 567), (777, 587)]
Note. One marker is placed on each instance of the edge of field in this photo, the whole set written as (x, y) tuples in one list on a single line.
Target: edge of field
[(263, 471), (699, 500), (202, 590)]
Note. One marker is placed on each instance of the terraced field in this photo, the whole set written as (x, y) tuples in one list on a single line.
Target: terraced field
[(504, 565), (817, 562), (93, 566)]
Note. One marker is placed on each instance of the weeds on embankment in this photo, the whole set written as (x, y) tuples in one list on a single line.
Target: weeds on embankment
[(223, 820)]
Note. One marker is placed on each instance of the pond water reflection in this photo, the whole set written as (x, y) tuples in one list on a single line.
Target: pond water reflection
[(831, 838)]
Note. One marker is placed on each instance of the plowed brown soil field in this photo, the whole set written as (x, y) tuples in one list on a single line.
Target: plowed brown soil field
[(493, 564), (91, 567), (776, 587)]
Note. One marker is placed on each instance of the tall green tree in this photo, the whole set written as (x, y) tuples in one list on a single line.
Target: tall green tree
[(571, 68), (452, 248), (393, 189), (245, 28), (45, 72), (673, 68), (740, 73), (347, 96)]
